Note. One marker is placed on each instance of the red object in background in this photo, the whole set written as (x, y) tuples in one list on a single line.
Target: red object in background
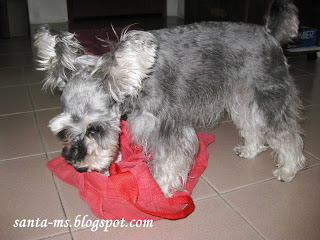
[(130, 192), (89, 38)]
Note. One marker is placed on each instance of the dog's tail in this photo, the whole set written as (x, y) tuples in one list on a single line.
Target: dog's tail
[(282, 20)]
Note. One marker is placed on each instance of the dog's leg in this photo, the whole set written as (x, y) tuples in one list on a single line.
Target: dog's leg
[(288, 153), (281, 106), (250, 123), (287, 144), (173, 149), (173, 159)]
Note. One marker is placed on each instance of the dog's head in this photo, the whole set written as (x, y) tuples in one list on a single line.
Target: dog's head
[(93, 90)]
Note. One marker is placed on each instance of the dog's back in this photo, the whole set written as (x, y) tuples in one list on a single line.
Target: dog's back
[(200, 66)]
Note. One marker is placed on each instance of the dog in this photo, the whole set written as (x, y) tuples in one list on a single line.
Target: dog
[(170, 82)]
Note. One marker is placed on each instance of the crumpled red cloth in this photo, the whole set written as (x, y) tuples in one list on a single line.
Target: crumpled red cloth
[(130, 192)]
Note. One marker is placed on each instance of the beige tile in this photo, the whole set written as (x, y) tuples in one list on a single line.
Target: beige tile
[(11, 76), (226, 171), (73, 205), (14, 100), (50, 141), (53, 155), (202, 190), (282, 211), (19, 136), (44, 99), (31, 75), (15, 45), (28, 192), (309, 87), (15, 59), (212, 219), (10, 60), (312, 67), (297, 72), (14, 48), (66, 236), (28, 60), (311, 127)]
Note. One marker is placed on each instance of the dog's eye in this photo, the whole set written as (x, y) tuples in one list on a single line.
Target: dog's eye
[(92, 130), (63, 135)]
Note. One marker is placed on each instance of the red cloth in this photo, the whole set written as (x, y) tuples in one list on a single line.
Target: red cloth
[(131, 192)]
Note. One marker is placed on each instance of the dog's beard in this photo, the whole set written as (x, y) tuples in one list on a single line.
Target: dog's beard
[(97, 158)]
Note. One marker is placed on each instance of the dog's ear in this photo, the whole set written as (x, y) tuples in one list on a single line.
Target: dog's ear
[(128, 63), (57, 52)]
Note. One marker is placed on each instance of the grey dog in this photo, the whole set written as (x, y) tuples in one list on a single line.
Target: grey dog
[(170, 82)]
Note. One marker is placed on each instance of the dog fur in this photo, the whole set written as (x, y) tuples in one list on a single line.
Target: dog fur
[(170, 82)]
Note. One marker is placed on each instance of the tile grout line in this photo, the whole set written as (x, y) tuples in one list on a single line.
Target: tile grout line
[(206, 198), (20, 157), (16, 113), (31, 111), (240, 215), (220, 195), (20, 85), (309, 73), (51, 236), (248, 185), (313, 105), (317, 158), (47, 109), (259, 182), (247, 221), (46, 153), (207, 181)]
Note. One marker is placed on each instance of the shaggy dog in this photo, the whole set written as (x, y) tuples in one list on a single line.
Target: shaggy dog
[(170, 82)]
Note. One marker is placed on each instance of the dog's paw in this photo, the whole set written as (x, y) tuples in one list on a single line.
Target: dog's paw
[(284, 175), (249, 152)]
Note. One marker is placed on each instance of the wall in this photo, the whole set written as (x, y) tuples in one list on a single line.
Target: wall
[(175, 8), (55, 11), (47, 11)]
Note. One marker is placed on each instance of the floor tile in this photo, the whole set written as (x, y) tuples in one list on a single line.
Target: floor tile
[(202, 190), (226, 171), (28, 192), (10, 49), (312, 67), (73, 205), (44, 99), (282, 210), (31, 75), (297, 72), (66, 236), (17, 59), (212, 219), (50, 141), (28, 60), (11, 77), (312, 131), (14, 100), (19, 136), (309, 87), (10, 60), (15, 45)]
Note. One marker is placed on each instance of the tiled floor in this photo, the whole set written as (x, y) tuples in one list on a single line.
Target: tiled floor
[(235, 198)]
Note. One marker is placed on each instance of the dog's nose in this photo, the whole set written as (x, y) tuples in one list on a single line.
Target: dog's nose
[(81, 169)]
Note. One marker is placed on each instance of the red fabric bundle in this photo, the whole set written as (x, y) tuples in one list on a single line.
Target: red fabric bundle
[(130, 192)]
